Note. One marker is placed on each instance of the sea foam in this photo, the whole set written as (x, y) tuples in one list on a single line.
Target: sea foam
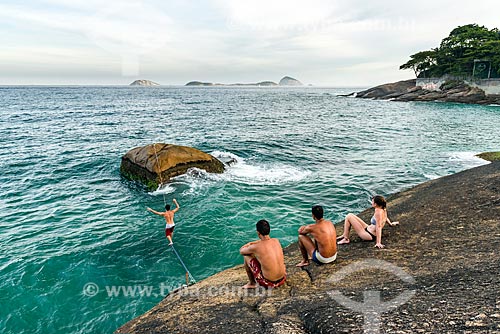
[(256, 173), (469, 159), (239, 171)]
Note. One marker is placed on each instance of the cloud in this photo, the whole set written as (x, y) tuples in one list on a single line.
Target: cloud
[(39, 17), (223, 40), (277, 14), (129, 27), (130, 24), (127, 30)]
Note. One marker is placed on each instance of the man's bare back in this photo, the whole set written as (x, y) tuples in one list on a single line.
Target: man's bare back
[(263, 259), (324, 247), (169, 219), (325, 236), (270, 256)]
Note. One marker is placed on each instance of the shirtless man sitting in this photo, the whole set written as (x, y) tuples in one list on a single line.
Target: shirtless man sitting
[(324, 247), (169, 219), (264, 260)]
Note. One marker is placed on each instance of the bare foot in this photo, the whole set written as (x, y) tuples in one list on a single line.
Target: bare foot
[(344, 241), (302, 264), (340, 238), (250, 286)]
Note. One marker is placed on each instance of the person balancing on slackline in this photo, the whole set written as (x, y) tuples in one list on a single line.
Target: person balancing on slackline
[(169, 219)]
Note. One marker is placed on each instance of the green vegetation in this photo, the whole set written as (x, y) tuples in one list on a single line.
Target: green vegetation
[(469, 51), (490, 156), (150, 184)]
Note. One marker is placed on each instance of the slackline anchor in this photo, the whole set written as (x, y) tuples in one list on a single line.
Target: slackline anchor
[(188, 274)]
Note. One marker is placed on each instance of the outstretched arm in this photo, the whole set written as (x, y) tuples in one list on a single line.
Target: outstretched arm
[(177, 207), (391, 223), (155, 212)]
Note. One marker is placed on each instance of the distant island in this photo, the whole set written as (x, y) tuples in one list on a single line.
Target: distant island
[(199, 83), (289, 81), (465, 68), (144, 83), (285, 81)]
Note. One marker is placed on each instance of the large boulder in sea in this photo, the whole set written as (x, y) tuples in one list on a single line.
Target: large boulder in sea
[(289, 81), (157, 163)]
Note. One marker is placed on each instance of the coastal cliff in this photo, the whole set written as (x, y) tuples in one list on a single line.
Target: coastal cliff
[(464, 68), (449, 91), (447, 241)]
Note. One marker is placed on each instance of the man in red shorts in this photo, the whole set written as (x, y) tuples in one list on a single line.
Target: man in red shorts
[(169, 219), (264, 260)]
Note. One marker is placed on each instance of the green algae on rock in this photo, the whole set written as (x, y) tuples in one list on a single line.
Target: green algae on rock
[(490, 156)]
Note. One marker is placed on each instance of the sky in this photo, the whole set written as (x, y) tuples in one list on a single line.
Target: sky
[(339, 43)]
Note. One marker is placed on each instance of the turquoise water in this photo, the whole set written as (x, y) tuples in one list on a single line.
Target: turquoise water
[(67, 218)]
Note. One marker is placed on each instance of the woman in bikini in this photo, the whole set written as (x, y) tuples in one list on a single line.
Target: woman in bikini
[(372, 232)]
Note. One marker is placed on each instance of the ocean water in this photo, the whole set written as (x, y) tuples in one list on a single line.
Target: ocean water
[(69, 219)]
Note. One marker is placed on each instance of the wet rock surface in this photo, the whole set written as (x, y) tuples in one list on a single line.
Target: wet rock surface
[(447, 241), (157, 163)]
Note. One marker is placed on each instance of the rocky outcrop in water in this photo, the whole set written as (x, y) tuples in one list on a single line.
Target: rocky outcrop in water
[(267, 83), (157, 163), (144, 83), (285, 81), (388, 91), (450, 91), (447, 240), (289, 81), (199, 83)]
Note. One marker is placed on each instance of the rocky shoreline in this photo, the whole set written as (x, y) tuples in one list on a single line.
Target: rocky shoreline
[(447, 241), (450, 91)]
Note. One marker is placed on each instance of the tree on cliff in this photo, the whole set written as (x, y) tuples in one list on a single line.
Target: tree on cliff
[(457, 55), (421, 62)]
